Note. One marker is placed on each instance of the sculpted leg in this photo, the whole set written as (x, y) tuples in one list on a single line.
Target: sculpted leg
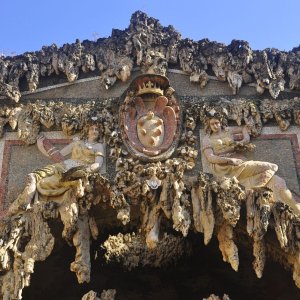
[(24, 199), (282, 193)]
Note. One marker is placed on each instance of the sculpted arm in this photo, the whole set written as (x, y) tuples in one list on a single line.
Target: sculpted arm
[(100, 152), (67, 149), (49, 150), (209, 153), (216, 159), (242, 130)]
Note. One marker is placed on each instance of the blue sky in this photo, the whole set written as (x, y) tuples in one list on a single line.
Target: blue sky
[(27, 25)]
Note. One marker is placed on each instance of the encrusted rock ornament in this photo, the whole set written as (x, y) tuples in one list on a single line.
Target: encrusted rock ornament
[(150, 118)]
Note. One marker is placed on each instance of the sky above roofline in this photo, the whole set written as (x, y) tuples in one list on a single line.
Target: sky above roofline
[(29, 25)]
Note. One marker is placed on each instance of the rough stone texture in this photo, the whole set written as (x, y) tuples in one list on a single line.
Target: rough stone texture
[(105, 295), (131, 252)]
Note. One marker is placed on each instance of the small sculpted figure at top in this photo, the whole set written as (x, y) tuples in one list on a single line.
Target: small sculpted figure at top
[(219, 148)]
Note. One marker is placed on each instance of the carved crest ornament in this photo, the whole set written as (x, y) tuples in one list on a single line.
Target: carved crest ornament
[(150, 118)]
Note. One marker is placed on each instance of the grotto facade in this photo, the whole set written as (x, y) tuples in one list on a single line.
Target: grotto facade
[(144, 165)]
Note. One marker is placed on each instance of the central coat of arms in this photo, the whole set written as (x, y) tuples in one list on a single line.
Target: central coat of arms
[(150, 118)]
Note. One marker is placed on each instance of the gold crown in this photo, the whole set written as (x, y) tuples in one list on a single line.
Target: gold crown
[(149, 87)]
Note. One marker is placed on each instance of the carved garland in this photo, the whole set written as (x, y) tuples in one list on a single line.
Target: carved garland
[(29, 119)]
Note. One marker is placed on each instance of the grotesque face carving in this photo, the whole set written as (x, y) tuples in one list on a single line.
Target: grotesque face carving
[(149, 118), (28, 129), (69, 125)]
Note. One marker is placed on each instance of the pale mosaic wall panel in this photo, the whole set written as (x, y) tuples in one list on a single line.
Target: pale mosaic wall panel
[(281, 153)]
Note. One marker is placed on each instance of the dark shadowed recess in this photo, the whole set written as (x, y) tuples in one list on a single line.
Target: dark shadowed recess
[(193, 277)]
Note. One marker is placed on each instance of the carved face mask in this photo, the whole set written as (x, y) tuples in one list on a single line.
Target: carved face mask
[(215, 125), (69, 126), (93, 133), (28, 130)]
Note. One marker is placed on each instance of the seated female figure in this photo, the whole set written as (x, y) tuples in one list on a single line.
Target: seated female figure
[(87, 153), (219, 146)]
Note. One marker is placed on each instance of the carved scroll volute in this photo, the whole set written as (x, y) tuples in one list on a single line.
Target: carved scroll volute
[(150, 118)]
